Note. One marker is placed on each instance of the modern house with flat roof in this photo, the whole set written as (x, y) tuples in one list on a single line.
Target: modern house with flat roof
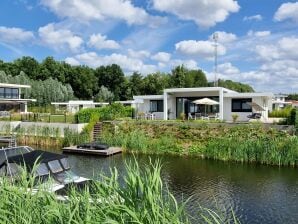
[(279, 101), (74, 106), (11, 97), (180, 101)]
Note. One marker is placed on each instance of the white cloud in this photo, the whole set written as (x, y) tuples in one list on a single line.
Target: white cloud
[(190, 64), (285, 48), (100, 42), (287, 11), (253, 18), (264, 33), (278, 68), (267, 52), (72, 61), (204, 13), (224, 37), (128, 64), (228, 68), (101, 10), (162, 57), (138, 54), (203, 49), (14, 35), (59, 39)]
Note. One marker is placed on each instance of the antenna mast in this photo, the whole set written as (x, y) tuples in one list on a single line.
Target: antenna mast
[(215, 39)]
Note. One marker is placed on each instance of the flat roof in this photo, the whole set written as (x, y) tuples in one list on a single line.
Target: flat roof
[(16, 100), (14, 85), (126, 102), (148, 97), (280, 95), (241, 95), (198, 89), (79, 102)]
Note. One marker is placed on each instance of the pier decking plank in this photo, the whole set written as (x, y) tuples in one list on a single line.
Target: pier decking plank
[(107, 152)]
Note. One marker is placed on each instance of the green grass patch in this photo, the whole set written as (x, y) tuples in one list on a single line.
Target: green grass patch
[(241, 143)]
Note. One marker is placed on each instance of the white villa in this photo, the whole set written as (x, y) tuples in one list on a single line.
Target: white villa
[(174, 102), (11, 97), (74, 106), (279, 101)]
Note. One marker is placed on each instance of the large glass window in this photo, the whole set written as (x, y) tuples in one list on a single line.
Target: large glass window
[(2, 94), (15, 93), (9, 93), (241, 105), (156, 105)]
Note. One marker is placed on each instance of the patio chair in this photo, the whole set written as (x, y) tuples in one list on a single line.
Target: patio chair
[(190, 117), (198, 115)]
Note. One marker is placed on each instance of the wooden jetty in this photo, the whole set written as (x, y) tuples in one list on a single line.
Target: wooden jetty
[(9, 140), (106, 152)]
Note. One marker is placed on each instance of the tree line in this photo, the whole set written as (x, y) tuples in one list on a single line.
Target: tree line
[(105, 82)]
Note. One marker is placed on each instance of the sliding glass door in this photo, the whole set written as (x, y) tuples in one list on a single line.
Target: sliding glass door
[(186, 106)]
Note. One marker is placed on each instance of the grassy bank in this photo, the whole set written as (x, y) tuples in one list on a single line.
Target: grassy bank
[(142, 198), (241, 143)]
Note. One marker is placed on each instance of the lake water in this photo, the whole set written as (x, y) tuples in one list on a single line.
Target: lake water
[(256, 193)]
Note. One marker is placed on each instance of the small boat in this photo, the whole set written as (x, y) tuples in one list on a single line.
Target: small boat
[(51, 170), (93, 148)]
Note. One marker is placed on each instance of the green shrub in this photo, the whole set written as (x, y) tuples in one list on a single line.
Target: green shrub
[(110, 112), (285, 113)]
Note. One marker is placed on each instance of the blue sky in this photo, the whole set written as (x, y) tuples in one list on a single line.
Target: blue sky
[(258, 39)]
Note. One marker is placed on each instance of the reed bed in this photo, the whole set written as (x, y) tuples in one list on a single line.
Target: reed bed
[(138, 197), (241, 143), (142, 198), (45, 136)]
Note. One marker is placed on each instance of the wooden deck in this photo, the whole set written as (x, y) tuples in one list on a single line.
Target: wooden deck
[(107, 152)]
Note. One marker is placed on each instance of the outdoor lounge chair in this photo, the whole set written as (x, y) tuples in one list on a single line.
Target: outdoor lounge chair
[(190, 117), (255, 116)]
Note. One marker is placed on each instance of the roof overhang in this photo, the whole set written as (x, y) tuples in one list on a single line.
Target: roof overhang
[(248, 95), (198, 89), (75, 103), (17, 100), (126, 102), (149, 97), (281, 102), (14, 85)]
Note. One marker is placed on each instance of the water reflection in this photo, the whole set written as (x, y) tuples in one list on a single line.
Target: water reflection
[(257, 194)]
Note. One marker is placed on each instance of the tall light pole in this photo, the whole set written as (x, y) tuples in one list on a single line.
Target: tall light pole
[(215, 39)]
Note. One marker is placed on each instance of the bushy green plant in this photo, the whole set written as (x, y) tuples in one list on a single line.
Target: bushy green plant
[(73, 138), (110, 112), (285, 112), (142, 198), (235, 117)]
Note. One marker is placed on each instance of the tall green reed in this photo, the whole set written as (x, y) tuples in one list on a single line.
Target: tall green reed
[(142, 198)]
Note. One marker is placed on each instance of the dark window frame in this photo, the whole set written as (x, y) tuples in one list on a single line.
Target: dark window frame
[(9, 93), (241, 101), (159, 106)]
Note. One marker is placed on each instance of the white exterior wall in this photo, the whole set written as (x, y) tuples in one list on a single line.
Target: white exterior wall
[(171, 107), (263, 102), (225, 96), (145, 108)]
